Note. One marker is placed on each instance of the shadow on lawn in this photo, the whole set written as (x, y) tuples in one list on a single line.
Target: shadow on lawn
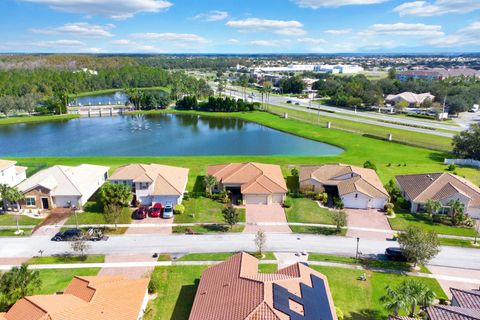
[(184, 302), (365, 314), (199, 186)]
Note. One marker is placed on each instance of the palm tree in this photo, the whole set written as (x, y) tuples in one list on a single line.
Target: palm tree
[(433, 206), (394, 300), (418, 293), (18, 283), (457, 209), (10, 195), (209, 182)]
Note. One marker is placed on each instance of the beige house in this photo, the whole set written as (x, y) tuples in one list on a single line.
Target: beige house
[(413, 99), (254, 183), (358, 187), (10, 173), (86, 298), (443, 187), (62, 186), (153, 183)]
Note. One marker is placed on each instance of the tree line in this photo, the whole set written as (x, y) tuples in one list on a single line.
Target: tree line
[(216, 104)]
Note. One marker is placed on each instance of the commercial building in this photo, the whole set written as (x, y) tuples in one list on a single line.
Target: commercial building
[(436, 74)]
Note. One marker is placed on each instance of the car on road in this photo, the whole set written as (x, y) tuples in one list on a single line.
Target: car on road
[(168, 211), (297, 103), (395, 254), (141, 213), (68, 235), (156, 210), (289, 101)]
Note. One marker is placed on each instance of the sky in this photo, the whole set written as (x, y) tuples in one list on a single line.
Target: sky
[(239, 26)]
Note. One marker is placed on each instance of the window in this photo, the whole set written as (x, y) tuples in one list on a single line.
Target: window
[(30, 201), (356, 195), (143, 185)]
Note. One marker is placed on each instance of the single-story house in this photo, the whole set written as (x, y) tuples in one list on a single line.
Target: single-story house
[(413, 99), (11, 174), (443, 187), (255, 183), (86, 298), (62, 186), (234, 290), (465, 305), (153, 183), (359, 188)]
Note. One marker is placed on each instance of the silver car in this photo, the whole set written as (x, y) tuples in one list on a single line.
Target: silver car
[(168, 211)]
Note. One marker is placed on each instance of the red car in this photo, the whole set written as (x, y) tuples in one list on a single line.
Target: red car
[(140, 213), (156, 210)]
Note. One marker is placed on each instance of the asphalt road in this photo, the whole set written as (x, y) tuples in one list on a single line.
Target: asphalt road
[(150, 243)]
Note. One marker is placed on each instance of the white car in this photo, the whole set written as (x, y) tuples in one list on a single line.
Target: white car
[(168, 211)]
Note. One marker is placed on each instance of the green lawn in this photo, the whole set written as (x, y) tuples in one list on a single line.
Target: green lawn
[(219, 256), (55, 280), (318, 230), (27, 119), (11, 233), (93, 215), (66, 259), (11, 220), (459, 243), (403, 220), (307, 211)]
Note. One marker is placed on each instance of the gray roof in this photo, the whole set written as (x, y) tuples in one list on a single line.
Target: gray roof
[(441, 312), (467, 298)]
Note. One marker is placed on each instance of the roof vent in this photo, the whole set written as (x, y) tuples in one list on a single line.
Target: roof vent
[(226, 285)]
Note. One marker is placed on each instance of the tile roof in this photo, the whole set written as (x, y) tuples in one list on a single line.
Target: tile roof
[(254, 178), (64, 180), (168, 180), (353, 179), (437, 186), (4, 164), (86, 298), (441, 312), (234, 290), (410, 97), (467, 298)]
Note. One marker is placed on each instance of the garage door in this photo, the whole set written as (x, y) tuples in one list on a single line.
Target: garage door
[(256, 199)]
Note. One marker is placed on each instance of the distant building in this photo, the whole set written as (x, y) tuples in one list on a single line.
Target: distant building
[(436, 74), (324, 68), (341, 68), (413, 99), (234, 290)]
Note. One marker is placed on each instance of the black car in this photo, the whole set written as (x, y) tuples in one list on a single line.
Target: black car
[(395, 254), (68, 235)]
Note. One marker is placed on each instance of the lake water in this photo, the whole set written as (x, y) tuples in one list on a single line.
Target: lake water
[(153, 135)]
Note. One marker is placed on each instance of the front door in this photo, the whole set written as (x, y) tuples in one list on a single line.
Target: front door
[(45, 203)]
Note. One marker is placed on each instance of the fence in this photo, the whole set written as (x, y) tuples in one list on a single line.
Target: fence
[(463, 162)]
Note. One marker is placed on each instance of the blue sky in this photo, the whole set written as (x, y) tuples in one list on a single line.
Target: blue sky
[(239, 26)]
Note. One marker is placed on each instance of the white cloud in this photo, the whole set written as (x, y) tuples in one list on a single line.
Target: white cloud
[(466, 36), (233, 41), (438, 7), (79, 29), (186, 38), (404, 29), (281, 27), (215, 15), (120, 42), (58, 43), (115, 9), (311, 40), (270, 43), (338, 32), (315, 4)]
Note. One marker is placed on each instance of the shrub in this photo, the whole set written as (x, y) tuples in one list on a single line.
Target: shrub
[(310, 194), (153, 284), (338, 203), (370, 165), (339, 313), (294, 172), (451, 167), (179, 209), (287, 203), (318, 197)]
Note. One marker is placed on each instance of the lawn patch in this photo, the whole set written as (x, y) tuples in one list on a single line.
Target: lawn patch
[(11, 220), (305, 210), (66, 259), (93, 215), (55, 280), (318, 230)]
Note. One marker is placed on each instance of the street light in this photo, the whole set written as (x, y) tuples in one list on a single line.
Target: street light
[(356, 253)]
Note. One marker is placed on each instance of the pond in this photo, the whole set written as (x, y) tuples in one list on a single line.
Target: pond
[(153, 135)]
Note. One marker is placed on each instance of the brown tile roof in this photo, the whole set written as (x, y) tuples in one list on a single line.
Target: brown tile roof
[(168, 180), (86, 298), (234, 290), (254, 178), (441, 312), (4, 164), (437, 186), (362, 180), (467, 298)]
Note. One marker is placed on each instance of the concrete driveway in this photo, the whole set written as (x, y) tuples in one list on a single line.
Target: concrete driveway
[(130, 272), (150, 229), (456, 275), (369, 219), (258, 213)]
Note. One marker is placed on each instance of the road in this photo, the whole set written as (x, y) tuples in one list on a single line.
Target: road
[(11, 247), (368, 118)]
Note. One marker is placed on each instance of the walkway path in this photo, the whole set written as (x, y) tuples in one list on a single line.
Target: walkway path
[(151, 225), (132, 271)]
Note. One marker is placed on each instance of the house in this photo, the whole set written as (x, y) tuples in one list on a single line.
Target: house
[(86, 298), (62, 186), (413, 99), (255, 183), (465, 305), (359, 188), (153, 183), (11, 174), (234, 290), (443, 187)]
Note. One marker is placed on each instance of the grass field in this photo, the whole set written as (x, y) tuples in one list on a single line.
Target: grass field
[(66, 259), (93, 215), (11, 220), (27, 119), (459, 243), (219, 256), (55, 280), (307, 211)]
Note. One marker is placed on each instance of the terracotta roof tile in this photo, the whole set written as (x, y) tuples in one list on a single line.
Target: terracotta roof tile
[(467, 298)]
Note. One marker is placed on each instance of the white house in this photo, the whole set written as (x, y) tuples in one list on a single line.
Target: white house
[(442, 187), (62, 186), (413, 99), (153, 183), (11, 174), (359, 188)]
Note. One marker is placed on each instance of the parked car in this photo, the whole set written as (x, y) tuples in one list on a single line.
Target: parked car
[(141, 213), (156, 210), (395, 254), (168, 211), (94, 234), (297, 103), (289, 101), (68, 235)]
